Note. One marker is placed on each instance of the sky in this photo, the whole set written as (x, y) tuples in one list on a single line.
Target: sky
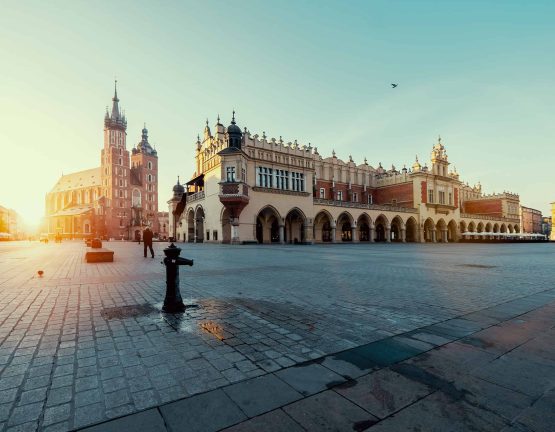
[(478, 73)]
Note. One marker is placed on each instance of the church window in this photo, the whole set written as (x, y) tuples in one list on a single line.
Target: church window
[(121, 151), (120, 161), (120, 182), (149, 177), (149, 165)]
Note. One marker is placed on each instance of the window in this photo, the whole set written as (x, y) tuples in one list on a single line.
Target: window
[(282, 179), (355, 197), (297, 182), (450, 198), (370, 199), (121, 151), (441, 197), (430, 196), (207, 235), (215, 235), (340, 196), (322, 193), (121, 193), (230, 174), (243, 177), (150, 165), (264, 177), (120, 162), (120, 182), (149, 177)]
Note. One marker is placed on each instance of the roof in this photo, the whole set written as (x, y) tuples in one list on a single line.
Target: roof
[(73, 211), (78, 180), (198, 180)]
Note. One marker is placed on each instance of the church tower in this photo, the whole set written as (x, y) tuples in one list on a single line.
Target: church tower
[(440, 163), (115, 174), (144, 181)]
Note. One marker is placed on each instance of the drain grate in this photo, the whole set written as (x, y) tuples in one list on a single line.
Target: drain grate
[(131, 311)]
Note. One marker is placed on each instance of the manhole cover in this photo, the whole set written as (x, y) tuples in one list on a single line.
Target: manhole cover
[(131, 311)]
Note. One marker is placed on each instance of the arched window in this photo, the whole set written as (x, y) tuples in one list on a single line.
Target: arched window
[(149, 165), (149, 177), (136, 198)]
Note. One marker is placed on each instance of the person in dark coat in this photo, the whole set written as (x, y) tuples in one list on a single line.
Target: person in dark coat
[(147, 241)]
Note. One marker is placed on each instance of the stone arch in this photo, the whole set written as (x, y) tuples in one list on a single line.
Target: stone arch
[(496, 228), (268, 222), (441, 231), (429, 230), (488, 227), (190, 225), (411, 227), (480, 227), (295, 223), (382, 229), (323, 227), (199, 224), (503, 228), (363, 227), (517, 229), (397, 227), (452, 234), (510, 228), (345, 225), (471, 227)]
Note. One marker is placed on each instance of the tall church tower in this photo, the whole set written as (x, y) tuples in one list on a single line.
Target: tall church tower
[(115, 174)]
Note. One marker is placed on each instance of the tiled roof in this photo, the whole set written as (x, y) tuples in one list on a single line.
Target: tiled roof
[(78, 180)]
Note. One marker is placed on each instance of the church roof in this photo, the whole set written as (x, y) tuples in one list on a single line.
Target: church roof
[(74, 211), (78, 180)]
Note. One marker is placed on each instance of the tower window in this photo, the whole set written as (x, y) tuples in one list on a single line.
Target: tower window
[(150, 165)]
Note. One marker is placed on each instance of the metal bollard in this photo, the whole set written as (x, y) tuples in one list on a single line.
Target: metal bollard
[(173, 301)]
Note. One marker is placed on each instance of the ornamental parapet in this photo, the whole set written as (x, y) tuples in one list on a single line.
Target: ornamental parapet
[(195, 197), (349, 204), (492, 218)]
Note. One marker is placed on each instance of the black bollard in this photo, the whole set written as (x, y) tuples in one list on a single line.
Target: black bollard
[(173, 302)]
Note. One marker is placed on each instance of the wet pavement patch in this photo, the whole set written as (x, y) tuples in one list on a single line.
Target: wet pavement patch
[(131, 311), (482, 266)]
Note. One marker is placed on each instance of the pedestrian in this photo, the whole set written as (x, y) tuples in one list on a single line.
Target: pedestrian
[(147, 241)]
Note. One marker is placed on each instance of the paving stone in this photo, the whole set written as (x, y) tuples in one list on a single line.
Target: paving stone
[(88, 397), (25, 413), (59, 396), (348, 364), (386, 351), (145, 421), (56, 414), (384, 392), (259, 395), (88, 415), (310, 378), (274, 421), (30, 396), (212, 411), (329, 411), (145, 399)]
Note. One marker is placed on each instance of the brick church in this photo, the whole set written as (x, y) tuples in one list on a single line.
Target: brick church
[(116, 200)]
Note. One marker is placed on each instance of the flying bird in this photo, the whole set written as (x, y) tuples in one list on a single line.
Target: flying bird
[(394, 85), (40, 272)]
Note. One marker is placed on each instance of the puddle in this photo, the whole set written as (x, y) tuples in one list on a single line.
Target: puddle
[(211, 327), (131, 311)]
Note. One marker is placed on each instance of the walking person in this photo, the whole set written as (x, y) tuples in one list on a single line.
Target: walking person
[(147, 241)]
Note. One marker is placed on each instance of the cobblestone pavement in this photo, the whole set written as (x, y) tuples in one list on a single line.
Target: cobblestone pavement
[(85, 343)]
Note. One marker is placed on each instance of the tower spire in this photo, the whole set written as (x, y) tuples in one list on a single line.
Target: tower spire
[(115, 100)]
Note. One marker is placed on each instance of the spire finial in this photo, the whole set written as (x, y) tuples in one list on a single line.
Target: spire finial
[(144, 125), (115, 89), (439, 139), (207, 122), (177, 179), (218, 118), (233, 118)]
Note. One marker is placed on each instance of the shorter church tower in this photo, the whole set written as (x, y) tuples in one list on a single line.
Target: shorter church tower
[(144, 182), (440, 164)]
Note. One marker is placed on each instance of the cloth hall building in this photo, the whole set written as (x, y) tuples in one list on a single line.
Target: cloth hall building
[(114, 200), (248, 188)]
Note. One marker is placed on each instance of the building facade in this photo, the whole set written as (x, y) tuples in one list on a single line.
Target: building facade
[(11, 225), (248, 188), (115, 200), (531, 220)]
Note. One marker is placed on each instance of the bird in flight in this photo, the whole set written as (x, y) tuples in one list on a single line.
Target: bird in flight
[(394, 85)]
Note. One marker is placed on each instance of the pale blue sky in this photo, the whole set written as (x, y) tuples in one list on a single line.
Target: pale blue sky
[(480, 73)]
